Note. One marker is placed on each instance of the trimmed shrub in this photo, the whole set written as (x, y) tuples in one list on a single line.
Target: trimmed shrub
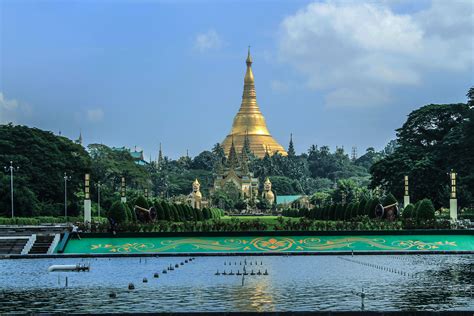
[(389, 200), (347, 211), (160, 213), (426, 210), (361, 207), (371, 207), (129, 211), (355, 210), (409, 211), (167, 211), (338, 213), (142, 202), (118, 212)]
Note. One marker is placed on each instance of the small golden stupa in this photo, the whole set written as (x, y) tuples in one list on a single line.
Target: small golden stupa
[(249, 123)]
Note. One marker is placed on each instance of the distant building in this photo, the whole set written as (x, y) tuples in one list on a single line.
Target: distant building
[(293, 201), (136, 155)]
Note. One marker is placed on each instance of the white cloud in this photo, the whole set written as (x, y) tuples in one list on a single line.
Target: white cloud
[(95, 115), (207, 41), (12, 111), (361, 50)]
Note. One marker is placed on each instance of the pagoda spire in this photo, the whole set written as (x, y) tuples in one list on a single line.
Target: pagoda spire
[(79, 140), (232, 160), (291, 148), (249, 122), (249, 96)]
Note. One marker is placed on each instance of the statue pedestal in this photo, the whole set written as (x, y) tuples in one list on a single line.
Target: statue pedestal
[(406, 200), (453, 209), (87, 211)]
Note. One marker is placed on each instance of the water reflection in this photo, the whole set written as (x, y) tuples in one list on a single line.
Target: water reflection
[(300, 283)]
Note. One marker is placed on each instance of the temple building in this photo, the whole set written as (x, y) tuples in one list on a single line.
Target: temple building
[(250, 124), (236, 171)]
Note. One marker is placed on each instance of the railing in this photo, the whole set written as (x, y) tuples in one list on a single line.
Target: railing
[(54, 243), (31, 241)]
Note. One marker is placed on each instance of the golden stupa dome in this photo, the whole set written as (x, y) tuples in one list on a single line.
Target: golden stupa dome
[(249, 122)]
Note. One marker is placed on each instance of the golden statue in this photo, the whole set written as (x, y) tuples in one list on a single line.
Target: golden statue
[(249, 123), (267, 194)]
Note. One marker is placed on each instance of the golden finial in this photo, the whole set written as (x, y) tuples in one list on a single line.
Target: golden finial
[(196, 181), (249, 58)]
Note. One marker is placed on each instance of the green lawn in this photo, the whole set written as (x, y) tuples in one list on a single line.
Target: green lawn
[(246, 244)]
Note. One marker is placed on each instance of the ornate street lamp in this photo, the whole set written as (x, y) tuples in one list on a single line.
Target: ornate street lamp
[(453, 201), (87, 199), (406, 196), (123, 191)]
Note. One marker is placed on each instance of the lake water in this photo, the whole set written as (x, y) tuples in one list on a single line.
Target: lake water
[(294, 283)]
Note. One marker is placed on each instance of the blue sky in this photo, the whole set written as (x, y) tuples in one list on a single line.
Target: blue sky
[(137, 73)]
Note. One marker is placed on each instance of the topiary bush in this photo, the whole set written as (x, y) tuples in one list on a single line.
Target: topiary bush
[(389, 200), (370, 208), (426, 210), (118, 212), (142, 202), (362, 206), (409, 211)]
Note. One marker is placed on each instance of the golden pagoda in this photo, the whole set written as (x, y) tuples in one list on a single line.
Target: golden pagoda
[(249, 123)]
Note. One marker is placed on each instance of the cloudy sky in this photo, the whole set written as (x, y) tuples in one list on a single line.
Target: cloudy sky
[(128, 73)]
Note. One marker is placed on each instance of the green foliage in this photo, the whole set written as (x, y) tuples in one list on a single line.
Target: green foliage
[(204, 161), (119, 212), (362, 206), (434, 139), (130, 213), (142, 202), (43, 158), (389, 199), (409, 211), (425, 210), (369, 158), (370, 208), (348, 188), (160, 212)]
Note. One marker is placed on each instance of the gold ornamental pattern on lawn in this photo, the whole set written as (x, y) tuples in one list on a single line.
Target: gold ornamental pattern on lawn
[(272, 244), (419, 245)]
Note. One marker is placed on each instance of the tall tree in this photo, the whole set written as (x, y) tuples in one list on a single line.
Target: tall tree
[(431, 142)]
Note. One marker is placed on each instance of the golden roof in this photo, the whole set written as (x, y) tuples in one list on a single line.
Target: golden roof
[(249, 122)]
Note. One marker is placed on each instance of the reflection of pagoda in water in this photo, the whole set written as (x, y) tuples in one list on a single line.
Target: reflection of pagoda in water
[(249, 124)]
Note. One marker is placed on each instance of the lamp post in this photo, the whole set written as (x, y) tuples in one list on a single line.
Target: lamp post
[(11, 168), (123, 196), (66, 179), (87, 200), (406, 196), (453, 201)]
